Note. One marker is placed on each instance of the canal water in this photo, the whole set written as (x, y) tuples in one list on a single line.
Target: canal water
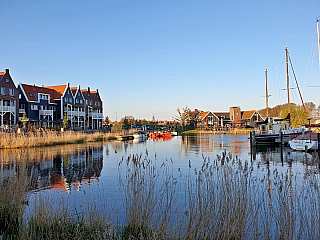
[(78, 175)]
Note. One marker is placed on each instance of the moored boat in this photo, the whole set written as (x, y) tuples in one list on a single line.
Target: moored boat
[(140, 135), (306, 142)]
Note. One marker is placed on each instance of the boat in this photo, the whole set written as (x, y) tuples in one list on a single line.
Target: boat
[(306, 142), (160, 135), (274, 131), (174, 133), (140, 135)]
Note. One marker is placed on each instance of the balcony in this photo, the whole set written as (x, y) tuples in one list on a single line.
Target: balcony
[(7, 109), (95, 115), (76, 113), (46, 112)]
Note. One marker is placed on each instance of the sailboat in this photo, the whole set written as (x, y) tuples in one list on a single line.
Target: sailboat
[(308, 141), (274, 131)]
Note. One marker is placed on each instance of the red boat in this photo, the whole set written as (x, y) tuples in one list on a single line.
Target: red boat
[(160, 135)]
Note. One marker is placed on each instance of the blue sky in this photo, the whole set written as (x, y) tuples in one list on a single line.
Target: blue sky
[(151, 57)]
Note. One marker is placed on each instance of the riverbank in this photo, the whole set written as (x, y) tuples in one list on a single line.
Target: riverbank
[(50, 138), (231, 132)]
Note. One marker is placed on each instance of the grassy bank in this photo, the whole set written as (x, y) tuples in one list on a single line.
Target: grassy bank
[(49, 138), (224, 198)]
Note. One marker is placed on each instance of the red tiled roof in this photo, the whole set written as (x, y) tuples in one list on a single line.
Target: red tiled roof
[(247, 114), (1, 74), (59, 90), (32, 89)]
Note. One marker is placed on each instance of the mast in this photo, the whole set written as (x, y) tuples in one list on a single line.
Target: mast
[(267, 94), (318, 41), (288, 81)]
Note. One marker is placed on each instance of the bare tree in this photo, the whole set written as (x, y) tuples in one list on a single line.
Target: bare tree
[(183, 116)]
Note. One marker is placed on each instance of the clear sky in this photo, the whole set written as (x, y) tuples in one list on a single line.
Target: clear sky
[(151, 57)]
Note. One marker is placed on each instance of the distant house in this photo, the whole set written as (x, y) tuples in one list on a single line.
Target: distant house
[(250, 118), (224, 119), (207, 120), (9, 100)]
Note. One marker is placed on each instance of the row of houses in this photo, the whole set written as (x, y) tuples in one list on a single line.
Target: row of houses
[(47, 105), (221, 120)]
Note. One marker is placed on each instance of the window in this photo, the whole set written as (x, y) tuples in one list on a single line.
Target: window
[(34, 107), (210, 120), (30, 94), (81, 101), (99, 104), (11, 92), (19, 96), (23, 106), (3, 90), (7, 80), (77, 100), (87, 102), (12, 104), (70, 100), (90, 102), (95, 103)]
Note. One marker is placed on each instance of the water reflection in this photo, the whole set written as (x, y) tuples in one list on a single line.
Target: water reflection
[(62, 168)]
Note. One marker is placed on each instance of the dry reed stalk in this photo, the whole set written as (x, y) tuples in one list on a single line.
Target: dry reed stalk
[(36, 139)]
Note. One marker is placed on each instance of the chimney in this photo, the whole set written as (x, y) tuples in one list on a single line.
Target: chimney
[(88, 89), (7, 71)]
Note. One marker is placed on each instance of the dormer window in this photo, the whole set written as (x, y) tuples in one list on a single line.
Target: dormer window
[(30, 94)]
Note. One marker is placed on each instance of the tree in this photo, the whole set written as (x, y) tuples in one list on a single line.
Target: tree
[(297, 114), (183, 116), (65, 120), (106, 120), (24, 120)]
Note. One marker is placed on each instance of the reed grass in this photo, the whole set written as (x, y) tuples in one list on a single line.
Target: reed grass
[(49, 138)]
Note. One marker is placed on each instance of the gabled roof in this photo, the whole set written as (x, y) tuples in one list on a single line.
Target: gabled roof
[(247, 114), (74, 90), (203, 115), (1, 74), (30, 91), (59, 90)]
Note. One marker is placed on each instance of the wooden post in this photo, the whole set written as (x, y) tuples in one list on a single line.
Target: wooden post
[(318, 135), (281, 146), (253, 138)]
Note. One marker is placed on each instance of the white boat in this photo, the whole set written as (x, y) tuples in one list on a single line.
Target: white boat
[(174, 133), (270, 132), (140, 135), (308, 142)]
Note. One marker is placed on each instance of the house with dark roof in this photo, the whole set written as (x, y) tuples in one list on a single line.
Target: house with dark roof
[(9, 100), (250, 118), (38, 104)]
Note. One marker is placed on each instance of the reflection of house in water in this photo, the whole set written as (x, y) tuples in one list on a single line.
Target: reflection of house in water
[(60, 171)]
